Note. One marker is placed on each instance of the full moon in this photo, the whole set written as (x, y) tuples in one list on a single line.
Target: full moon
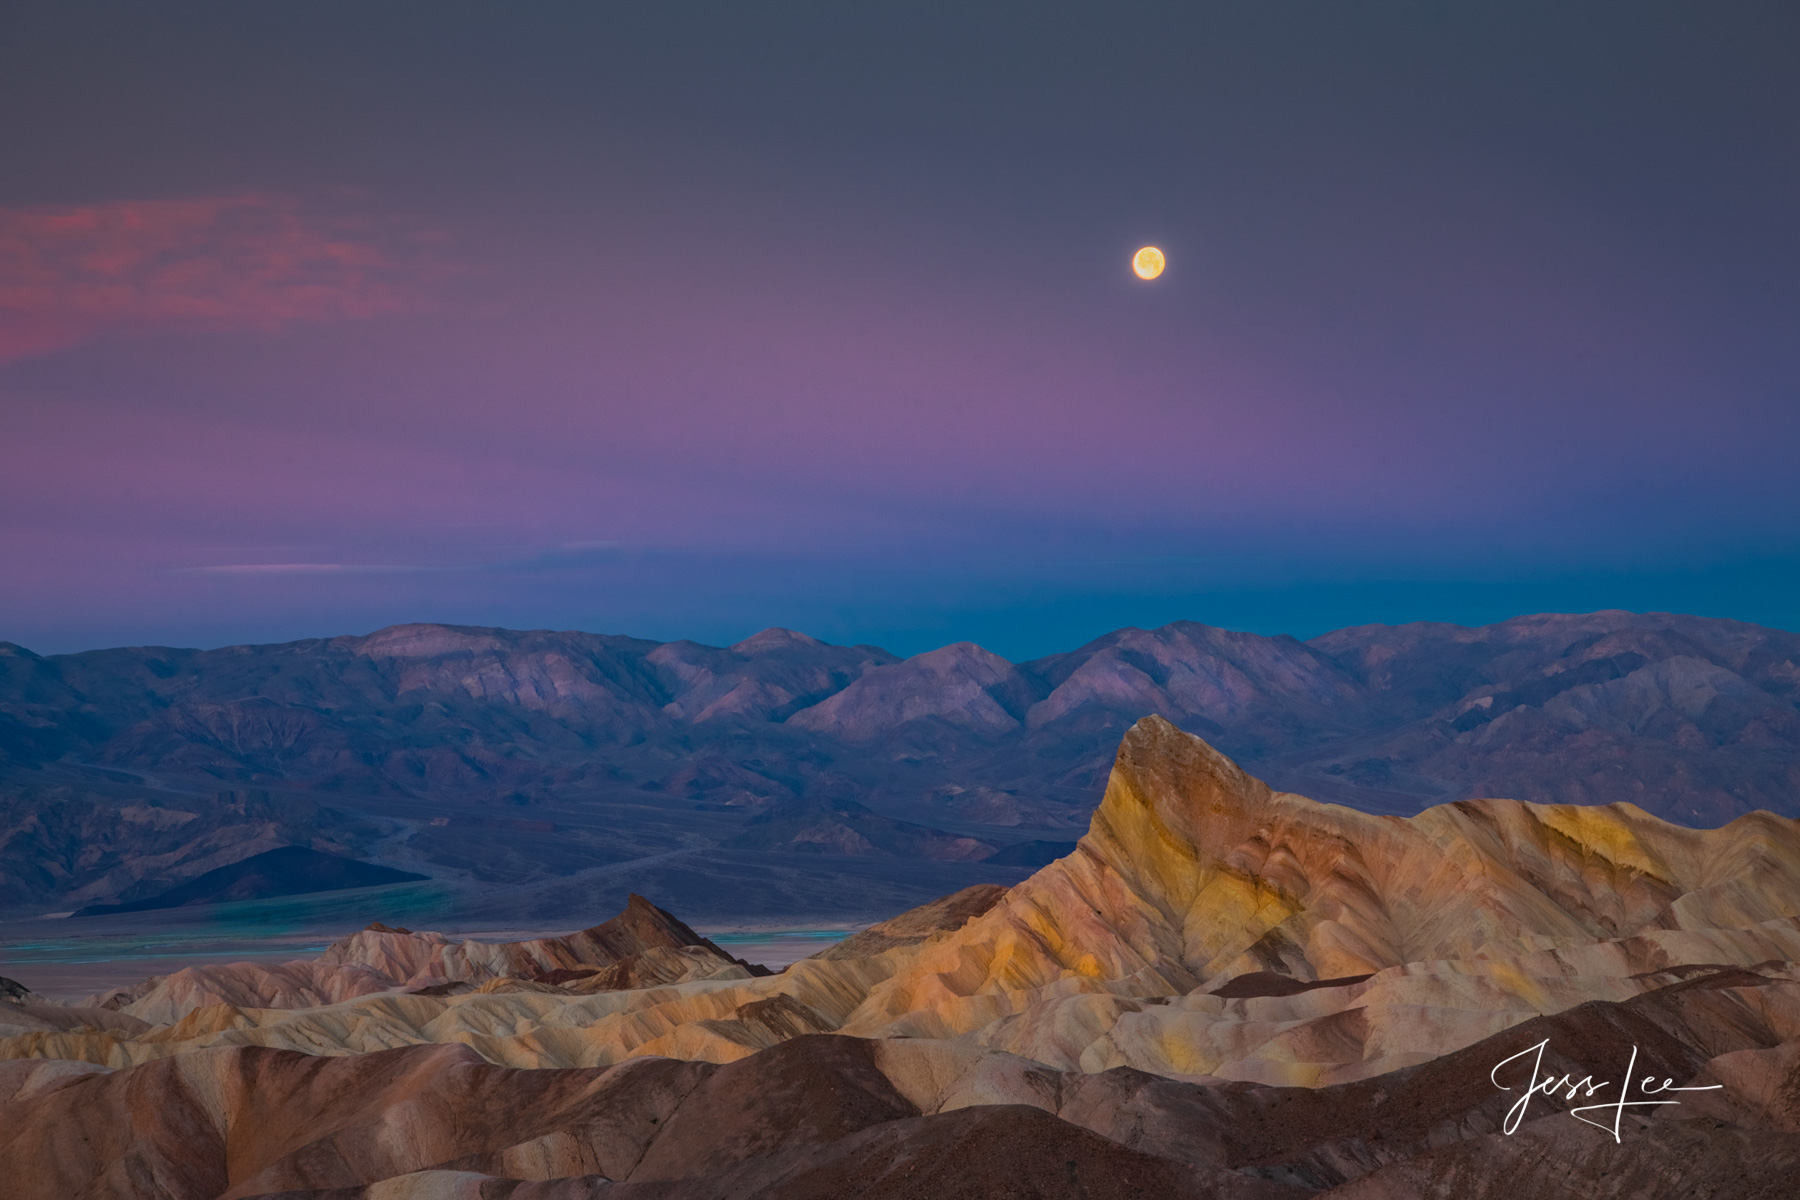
[(1148, 262)]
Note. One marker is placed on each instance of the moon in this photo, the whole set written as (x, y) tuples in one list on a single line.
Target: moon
[(1148, 262)]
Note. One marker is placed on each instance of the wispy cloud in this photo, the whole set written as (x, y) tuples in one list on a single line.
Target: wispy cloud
[(248, 261), (567, 556), (306, 569)]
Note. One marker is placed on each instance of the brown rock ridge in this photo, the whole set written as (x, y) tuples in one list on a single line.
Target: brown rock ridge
[(642, 945), (419, 959)]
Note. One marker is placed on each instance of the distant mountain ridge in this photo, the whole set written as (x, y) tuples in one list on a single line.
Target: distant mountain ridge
[(782, 743)]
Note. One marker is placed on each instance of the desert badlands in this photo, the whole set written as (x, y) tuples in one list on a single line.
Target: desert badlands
[(1223, 991)]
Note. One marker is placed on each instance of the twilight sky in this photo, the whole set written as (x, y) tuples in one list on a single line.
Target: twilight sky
[(689, 319)]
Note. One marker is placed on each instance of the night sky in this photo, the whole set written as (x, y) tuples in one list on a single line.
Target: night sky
[(682, 320)]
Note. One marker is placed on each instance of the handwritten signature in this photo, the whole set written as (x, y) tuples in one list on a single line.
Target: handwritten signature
[(1544, 1085)]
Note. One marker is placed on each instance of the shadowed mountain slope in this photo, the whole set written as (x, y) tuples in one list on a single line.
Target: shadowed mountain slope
[(284, 871)]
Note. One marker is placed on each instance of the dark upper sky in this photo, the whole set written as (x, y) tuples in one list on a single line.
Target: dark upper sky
[(688, 319)]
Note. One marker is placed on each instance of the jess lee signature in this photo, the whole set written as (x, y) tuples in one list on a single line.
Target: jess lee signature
[(1544, 1085)]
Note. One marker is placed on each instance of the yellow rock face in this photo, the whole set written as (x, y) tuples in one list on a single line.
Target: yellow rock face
[(1193, 872)]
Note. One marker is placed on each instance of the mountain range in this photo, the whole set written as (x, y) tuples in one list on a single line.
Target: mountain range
[(548, 770)]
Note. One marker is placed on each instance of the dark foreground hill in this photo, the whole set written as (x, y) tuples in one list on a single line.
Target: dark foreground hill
[(818, 1118), (285, 871), (797, 776)]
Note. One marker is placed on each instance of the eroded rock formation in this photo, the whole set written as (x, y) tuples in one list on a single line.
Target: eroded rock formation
[(1224, 991)]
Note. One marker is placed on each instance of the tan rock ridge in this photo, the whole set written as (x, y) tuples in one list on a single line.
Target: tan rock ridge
[(914, 926), (1194, 872)]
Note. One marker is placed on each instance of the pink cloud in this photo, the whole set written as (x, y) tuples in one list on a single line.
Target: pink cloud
[(246, 261)]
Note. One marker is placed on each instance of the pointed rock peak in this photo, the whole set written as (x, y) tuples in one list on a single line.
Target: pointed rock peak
[(1171, 792), (643, 925), (772, 639), (1155, 747)]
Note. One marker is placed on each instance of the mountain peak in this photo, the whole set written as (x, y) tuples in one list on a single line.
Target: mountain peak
[(961, 685), (962, 656), (772, 639), (428, 641)]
